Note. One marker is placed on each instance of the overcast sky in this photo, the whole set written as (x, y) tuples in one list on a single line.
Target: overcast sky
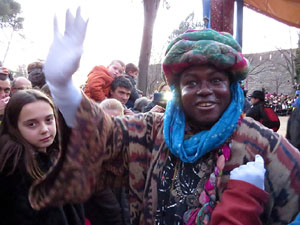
[(115, 30)]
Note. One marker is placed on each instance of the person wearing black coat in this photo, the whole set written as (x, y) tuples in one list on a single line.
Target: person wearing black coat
[(257, 106), (131, 73), (15, 206), (29, 146), (293, 128)]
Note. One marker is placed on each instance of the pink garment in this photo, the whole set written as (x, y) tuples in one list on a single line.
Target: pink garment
[(87, 222)]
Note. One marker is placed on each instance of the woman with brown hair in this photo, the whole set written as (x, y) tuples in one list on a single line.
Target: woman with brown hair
[(29, 146)]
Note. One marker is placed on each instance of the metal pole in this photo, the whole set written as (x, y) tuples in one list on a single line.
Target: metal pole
[(206, 13), (239, 24)]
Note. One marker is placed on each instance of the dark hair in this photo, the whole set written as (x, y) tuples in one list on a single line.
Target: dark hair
[(37, 77), (12, 143), (4, 77), (121, 81), (34, 65), (13, 83), (258, 94), (130, 67), (140, 104)]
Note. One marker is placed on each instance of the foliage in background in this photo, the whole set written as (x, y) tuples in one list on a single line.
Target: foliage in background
[(189, 23), (288, 63), (21, 71), (10, 21), (9, 14), (258, 66), (155, 76)]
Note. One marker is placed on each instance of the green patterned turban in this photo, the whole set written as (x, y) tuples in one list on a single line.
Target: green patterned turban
[(200, 47)]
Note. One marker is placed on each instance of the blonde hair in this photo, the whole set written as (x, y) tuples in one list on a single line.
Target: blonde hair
[(112, 104), (117, 61)]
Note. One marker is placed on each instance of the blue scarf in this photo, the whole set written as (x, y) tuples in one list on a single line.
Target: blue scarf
[(190, 150)]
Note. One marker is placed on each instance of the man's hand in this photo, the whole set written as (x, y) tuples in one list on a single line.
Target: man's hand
[(128, 112), (3, 103), (66, 50), (252, 172), (158, 109)]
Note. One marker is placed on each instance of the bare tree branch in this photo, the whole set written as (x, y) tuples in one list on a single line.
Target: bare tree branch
[(257, 68), (289, 57)]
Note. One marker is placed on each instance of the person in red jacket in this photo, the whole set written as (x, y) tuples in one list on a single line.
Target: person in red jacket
[(100, 78)]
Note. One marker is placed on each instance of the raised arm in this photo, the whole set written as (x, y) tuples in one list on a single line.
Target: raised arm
[(62, 62)]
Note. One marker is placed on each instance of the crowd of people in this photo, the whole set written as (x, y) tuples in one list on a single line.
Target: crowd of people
[(105, 154), (282, 104)]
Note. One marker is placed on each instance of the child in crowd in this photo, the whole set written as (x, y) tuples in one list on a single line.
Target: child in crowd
[(131, 73), (100, 78), (29, 147), (112, 107)]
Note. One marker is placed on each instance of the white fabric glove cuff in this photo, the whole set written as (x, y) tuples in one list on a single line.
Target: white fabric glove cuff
[(252, 172), (67, 99)]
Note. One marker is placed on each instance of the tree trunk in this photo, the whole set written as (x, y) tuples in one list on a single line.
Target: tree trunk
[(150, 12)]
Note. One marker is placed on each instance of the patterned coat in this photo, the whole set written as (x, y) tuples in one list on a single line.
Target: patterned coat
[(130, 150)]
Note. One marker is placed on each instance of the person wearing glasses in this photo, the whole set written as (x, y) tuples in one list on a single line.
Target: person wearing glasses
[(20, 83), (4, 90)]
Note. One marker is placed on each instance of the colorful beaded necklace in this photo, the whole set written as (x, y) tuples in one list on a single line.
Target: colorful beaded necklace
[(207, 198)]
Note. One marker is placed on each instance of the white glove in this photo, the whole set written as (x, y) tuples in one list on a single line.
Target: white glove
[(252, 172), (66, 50), (62, 61)]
